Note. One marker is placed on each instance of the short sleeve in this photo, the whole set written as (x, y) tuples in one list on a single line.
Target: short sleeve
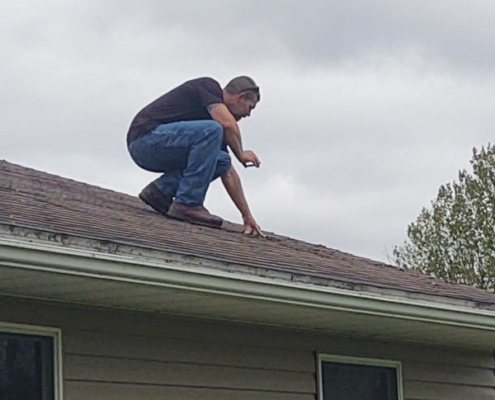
[(209, 92)]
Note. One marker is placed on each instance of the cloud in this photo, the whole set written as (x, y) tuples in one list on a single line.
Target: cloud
[(318, 33)]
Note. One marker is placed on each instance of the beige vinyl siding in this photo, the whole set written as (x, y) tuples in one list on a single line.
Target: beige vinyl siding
[(112, 354)]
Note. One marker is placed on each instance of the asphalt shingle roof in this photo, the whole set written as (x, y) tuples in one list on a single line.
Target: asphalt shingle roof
[(45, 202)]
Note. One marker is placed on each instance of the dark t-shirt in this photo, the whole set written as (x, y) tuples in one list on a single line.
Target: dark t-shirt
[(187, 102)]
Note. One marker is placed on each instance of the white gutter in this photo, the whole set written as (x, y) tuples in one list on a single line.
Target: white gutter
[(112, 267)]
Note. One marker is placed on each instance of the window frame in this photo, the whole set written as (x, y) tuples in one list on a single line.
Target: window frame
[(56, 335), (372, 362)]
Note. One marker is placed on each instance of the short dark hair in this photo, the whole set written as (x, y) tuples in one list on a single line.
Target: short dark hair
[(244, 84)]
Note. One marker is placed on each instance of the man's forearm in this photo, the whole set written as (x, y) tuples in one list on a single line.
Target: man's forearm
[(232, 134), (233, 185), (233, 139)]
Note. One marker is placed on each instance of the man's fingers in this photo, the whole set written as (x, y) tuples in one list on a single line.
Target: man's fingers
[(253, 231), (255, 163), (251, 159), (256, 160), (258, 231)]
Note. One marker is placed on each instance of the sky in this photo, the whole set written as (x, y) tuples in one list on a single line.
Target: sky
[(367, 106)]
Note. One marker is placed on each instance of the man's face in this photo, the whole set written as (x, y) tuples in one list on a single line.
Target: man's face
[(242, 107)]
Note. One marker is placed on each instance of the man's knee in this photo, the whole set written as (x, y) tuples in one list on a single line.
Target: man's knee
[(214, 130)]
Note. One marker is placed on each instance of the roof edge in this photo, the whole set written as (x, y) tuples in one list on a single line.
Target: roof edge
[(95, 265), (101, 246)]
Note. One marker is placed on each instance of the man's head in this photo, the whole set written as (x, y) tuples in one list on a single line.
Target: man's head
[(241, 96)]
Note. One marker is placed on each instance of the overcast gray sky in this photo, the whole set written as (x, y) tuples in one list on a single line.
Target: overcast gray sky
[(367, 106)]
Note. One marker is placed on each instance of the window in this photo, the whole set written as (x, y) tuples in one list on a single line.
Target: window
[(28, 363), (347, 378)]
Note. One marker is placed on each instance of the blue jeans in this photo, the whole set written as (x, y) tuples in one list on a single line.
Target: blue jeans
[(189, 155)]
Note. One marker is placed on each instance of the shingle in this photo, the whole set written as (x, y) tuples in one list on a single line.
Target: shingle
[(45, 202)]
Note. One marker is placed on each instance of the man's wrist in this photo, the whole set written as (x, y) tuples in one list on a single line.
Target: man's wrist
[(247, 216)]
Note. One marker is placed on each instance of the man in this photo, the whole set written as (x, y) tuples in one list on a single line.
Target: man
[(184, 134)]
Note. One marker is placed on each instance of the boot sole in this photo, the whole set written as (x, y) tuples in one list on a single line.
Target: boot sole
[(195, 222)]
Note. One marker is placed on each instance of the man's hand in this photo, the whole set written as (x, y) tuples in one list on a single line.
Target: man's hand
[(249, 158), (251, 227)]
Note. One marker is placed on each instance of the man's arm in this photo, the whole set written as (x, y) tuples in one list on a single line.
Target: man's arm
[(233, 185), (220, 113)]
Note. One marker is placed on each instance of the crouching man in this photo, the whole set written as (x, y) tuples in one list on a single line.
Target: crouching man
[(184, 134)]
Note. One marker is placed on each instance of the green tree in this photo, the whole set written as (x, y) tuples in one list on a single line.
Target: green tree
[(455, 238)]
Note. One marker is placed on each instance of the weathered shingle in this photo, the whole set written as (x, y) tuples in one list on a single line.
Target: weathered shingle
[(41, 201)]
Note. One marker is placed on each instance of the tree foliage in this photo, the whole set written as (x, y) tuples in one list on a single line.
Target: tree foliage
[(455, 238)]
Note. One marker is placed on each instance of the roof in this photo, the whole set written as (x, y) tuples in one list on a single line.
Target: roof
[(44, 202)]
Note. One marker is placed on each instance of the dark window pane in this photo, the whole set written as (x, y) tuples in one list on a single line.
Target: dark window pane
[(358, 382), (26, 367)]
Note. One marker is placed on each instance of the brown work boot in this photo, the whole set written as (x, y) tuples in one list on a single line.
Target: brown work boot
[(152, 196), (194, 214)]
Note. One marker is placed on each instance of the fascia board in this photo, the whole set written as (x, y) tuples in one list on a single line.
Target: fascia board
[(111, 267)]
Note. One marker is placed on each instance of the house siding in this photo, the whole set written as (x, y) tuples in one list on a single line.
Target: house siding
[(122, 355)]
